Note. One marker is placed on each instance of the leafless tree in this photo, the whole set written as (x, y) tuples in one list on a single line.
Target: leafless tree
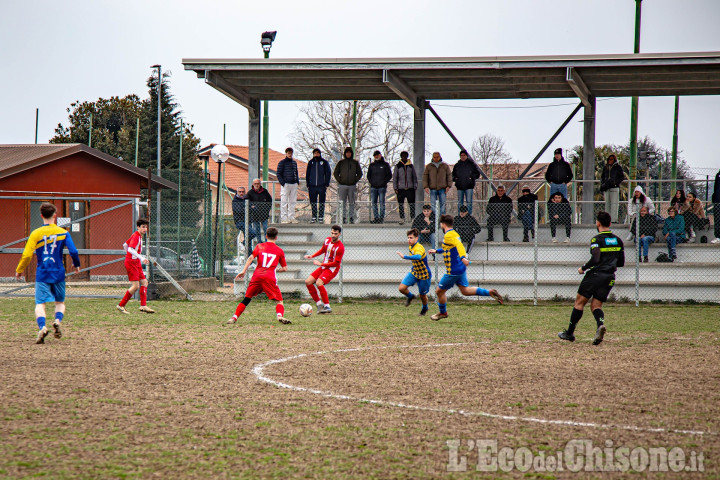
[(487, 150), (381, 125)]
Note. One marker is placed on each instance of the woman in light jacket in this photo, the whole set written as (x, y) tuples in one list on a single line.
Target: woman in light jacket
[(635, 203)]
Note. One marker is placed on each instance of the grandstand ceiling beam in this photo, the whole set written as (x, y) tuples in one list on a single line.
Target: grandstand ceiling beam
[(588, 195), (224, 87), (402, 89), (578, 86)]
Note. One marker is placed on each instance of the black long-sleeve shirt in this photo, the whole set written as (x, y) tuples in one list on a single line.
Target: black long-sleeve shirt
[(607, 253)]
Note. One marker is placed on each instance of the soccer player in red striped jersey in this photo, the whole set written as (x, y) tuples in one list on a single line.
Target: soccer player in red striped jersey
[(333, 250), (134, 261), (269, 255)]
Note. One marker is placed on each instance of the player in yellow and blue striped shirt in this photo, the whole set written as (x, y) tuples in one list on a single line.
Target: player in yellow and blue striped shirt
[(456, 263), (420, 272), (48, 242)]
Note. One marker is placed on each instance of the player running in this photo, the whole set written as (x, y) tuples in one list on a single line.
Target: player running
[(420, 272), (48, 242), (607, 254), (334, 250), (264, 278), (134, 261), (456, 263)]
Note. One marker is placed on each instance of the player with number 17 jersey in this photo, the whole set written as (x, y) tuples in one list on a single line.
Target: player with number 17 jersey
[(269, 255)]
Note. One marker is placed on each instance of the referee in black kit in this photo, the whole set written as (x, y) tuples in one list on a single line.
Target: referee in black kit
[(607, 254)]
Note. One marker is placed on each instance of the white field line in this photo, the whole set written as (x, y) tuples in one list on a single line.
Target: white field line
[(259, 372)]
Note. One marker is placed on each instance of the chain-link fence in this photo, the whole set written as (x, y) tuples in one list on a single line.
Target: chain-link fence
[(527, 248)]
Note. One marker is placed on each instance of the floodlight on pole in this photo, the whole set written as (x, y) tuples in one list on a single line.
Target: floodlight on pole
[(266, 40), (159, 110), (219, 154)]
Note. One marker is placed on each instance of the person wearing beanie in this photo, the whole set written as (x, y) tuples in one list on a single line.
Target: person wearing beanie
[(317, 178), (379, 174), (467, 227), (348, 173), (287, 175), (558, 174), (610, 180), (635, 203), (526, 212), (405, 183), (464, 174)]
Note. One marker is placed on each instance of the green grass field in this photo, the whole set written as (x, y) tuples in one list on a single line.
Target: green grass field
[(173, 394)]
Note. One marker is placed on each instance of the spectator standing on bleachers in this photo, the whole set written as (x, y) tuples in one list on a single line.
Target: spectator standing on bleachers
[(559, 214), (348, 173), (673, 231), (499, 210), (287, 175), (647, 231), (405, 183), (716, 207), (694, 216), (635, 203), (317, 178), (558, 174), (526, 212), (437, 181), (379, 174), (611, 178), (425, 224), (467, 227), (260, 203), (464, 174)]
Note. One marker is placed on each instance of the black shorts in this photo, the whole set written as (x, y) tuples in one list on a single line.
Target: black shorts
[(597, 285)]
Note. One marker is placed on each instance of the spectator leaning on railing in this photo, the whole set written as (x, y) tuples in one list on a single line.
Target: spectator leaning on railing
[(716, 207), (558, 174), (317, 178), (464, 174), (611, 178)]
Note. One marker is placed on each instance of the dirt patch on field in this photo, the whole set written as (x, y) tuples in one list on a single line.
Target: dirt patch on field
[(179, 400)]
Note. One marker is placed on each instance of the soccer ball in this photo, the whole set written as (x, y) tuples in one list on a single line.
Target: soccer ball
[(305, 310)]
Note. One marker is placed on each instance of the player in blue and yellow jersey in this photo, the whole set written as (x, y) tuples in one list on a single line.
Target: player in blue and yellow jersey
[(420, 272), (456, 263), (48, 243)]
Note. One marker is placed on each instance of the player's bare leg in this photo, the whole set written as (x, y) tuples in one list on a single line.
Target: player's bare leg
[(143, 297), (239, 310), (442, 304), (59, 314), (596, 308), (40, 317), (324, 297), (406, 291), (134, 286), (310, 284), (569, 333), (472, 291), (424, 300), (280, 311)]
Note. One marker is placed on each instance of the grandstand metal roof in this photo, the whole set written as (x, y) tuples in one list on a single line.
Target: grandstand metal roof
[(616, 75)]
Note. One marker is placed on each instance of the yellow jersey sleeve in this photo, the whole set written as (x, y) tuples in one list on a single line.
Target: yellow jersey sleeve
[(418, 249), (35, 237), (452, 238)]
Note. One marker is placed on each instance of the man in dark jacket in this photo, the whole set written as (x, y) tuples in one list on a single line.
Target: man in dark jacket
[(559, 213), (499, 210), (467, 227), (526, 212), (287, 175), (716, 208), (260, 203), (558, 174), (611, 178), (378, 176), (348, 173), (317, 178), (464, 174), (405, 183)]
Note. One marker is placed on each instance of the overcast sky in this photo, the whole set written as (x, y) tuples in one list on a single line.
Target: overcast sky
[(57, 52)]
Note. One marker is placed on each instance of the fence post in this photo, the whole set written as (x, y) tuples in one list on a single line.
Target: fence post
[(342, 265), (637, 258), (247, 240), (535, 255), (437, 233)]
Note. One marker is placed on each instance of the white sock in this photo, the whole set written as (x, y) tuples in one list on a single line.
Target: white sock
[(320, 303), (327, 305)]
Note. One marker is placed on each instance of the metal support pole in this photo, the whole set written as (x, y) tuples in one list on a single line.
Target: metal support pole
[(221, 220), (535, 255), (37, 118), (159, 156), (265, 134), (673, 167), (588, 191), (248, 242), (179, 192), (137, 140), (90, 132), (634, 105), (342, 265), (207, 208), (419, 151), (437, 234), (354, 128), (217, 222), (637, 259)]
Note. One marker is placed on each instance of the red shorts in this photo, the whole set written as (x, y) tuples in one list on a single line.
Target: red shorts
[(262, 284), (324, 274), (134, 270)]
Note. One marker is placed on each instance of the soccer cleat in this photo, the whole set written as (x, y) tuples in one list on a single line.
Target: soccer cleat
[(438, 316), (146, 309), (496, 295), (408, 300), (122, 309), (554, 240), (325, 309), (284, 320), (231, 321), (599, 335), (56, 326), (42, 333), (423, 312), (564, 335)]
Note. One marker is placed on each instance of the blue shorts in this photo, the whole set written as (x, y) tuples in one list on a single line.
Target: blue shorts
[(49, 292), (448, 281), (423, 285)]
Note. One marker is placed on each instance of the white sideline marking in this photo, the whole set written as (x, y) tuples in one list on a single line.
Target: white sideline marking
[(259, 372)]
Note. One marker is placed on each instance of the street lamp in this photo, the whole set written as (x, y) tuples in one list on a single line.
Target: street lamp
[(157, 208), (266, 40), (219, 154)]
